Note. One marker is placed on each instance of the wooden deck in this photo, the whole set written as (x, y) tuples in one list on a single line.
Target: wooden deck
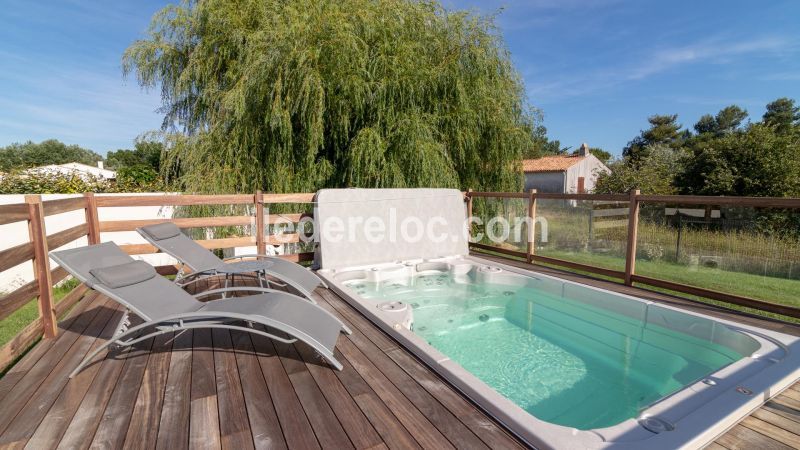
[(223, 389)]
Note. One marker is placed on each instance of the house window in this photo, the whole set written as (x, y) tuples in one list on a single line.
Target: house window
[(581, 185)]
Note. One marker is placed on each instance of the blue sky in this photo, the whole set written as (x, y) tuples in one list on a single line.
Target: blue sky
[(596, 69)]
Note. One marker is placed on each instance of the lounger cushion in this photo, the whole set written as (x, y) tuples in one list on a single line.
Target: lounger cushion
[(161, 231), (124, 274)]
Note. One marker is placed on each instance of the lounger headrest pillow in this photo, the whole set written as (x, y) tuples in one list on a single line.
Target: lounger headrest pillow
[(161, 231), (124, 274)]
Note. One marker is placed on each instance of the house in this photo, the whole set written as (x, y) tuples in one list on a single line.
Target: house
[(563, 174), (80, 169)]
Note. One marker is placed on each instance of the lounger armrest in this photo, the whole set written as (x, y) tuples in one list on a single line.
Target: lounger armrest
[(248, 256), (260, 290)]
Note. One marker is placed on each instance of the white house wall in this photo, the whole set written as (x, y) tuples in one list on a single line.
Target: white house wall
[(589, 168)]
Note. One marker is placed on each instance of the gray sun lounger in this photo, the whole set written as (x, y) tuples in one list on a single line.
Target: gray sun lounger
[(168, 238), (166, 307)]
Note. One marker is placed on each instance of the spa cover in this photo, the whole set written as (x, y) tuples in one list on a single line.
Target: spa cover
[(358, 227)]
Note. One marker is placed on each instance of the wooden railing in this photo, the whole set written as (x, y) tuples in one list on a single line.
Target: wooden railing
[(629, 276), (34, 211)]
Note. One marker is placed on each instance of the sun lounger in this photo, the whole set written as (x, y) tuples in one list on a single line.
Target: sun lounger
[(168, 238), (165, 307)]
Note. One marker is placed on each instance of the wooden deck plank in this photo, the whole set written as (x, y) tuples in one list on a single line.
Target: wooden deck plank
[(379, 415), (87, 418), (52, 427), (744, 438), (173, 430), (204, 415), (773, 431), (477, 421), (297, 430), (778, 420), (424, 431), (222, 388), (783, 411), (18, 397), (443, 419), (117, 416), (358, 428), (233, 423), (143, 427), (264, 422), (329, 431), (21, 368)]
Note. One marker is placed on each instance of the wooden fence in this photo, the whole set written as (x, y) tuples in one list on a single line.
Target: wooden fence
[(34, 210), (634, 200)]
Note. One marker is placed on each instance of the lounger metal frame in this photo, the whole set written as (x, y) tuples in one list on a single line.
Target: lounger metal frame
[(125, 336)]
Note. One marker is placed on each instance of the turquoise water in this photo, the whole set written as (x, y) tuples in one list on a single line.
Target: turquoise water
[(561, 360)]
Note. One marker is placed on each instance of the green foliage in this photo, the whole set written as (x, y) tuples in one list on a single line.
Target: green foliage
[(73, 183), (653, 174), (752, 162), (728, 120), (138, 178), (295, 96), (51, 151), (51, 183), (724, 157), (602, 155), (664, 129), (542, 145), (782, 114), (144, 153)]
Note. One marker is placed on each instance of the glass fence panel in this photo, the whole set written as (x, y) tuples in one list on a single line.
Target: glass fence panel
[(500, 222), (586, 232), (751, 252)]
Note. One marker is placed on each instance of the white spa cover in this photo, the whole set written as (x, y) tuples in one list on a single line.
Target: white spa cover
[(358, 227)]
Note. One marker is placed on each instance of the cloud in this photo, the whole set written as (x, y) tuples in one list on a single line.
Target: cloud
[(95, 109), (650, 62), (717, 50)]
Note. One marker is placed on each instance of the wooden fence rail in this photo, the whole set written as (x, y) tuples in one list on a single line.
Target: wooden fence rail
[(34, 211), (635, 199)]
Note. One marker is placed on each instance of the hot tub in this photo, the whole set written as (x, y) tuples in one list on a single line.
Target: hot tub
[(565, 365), (561, 364)]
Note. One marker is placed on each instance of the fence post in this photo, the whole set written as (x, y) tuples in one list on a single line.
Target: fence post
[(261, 246), (92, 219), (532, 225), (633, 230), (469, 216), (41, 265)]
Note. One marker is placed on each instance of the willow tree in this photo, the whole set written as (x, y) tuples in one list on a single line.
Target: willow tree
[(297, 95)]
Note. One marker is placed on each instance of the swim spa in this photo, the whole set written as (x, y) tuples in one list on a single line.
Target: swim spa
[(564, 365)]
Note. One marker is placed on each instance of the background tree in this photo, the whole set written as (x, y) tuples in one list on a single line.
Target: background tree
[(541, 144), (295, 96), (754, 162), (664, 129), (782, 114), (653, 174), (727, 120), (601, 154), (146, 152), (51, 151)]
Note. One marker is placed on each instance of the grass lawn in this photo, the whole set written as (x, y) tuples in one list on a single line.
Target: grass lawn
[(771, 289), (19, 319)]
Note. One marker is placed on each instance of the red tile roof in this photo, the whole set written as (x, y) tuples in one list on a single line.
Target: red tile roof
[(558, 163)]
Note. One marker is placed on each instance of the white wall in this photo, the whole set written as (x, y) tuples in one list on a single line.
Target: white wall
[(16, 233), (589, 168)]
